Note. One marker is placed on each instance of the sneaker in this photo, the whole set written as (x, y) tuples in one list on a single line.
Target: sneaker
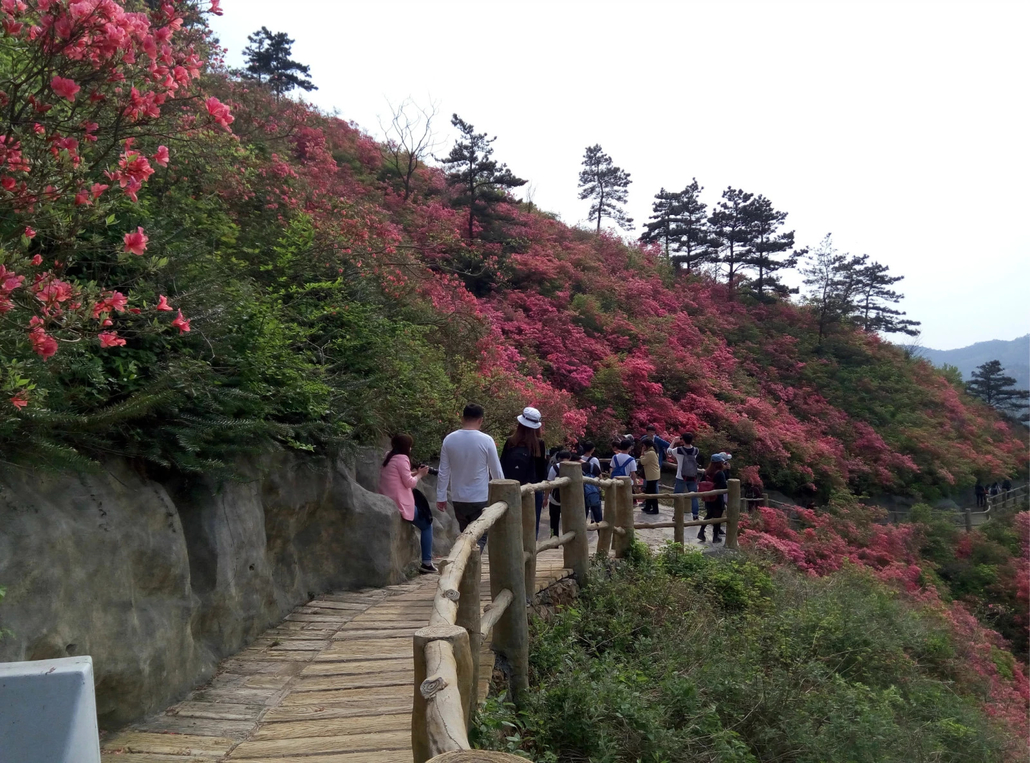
[(427, 569)]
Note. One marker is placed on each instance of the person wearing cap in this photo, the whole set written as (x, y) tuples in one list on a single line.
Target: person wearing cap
[(714, 479), (523, 456), (468, 461)]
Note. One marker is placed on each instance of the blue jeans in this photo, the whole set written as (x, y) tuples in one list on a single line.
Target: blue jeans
[(427, 538), (688, 486)]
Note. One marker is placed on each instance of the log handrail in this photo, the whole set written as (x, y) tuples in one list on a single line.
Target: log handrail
[(555, 541), (446, 653), (539, 487), (493, 611)]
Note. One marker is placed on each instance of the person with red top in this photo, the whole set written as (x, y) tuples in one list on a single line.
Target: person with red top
[(397, 480)]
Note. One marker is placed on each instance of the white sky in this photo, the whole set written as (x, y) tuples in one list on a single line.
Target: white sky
[(900, 127)]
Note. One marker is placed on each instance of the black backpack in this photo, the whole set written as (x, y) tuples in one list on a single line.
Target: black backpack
[(518, 464)]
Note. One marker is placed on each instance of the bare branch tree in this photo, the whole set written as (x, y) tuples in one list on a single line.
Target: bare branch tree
[(409, 139)]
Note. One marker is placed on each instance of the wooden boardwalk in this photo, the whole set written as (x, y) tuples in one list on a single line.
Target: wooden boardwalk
[(332, 683)]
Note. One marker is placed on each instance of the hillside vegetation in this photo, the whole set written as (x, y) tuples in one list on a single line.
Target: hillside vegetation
[(224, 270)]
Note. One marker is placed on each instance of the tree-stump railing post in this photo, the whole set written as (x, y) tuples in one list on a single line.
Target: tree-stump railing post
[(679, 506), (529, 541), (732, 513), (438, 724), (604, 537), (507, 570), (624, 517), (574, 518), (969, 519), (469, 616)]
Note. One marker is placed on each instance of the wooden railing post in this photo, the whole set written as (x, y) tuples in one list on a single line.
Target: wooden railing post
[(969, 519), (604, 537), (529, 541), (468, 617), (574, 518), (507, 570), (623, 517), (442, 654), (679, 506), (732, 513)]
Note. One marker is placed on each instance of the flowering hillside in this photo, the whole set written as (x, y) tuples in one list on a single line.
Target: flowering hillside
[(192, 268)]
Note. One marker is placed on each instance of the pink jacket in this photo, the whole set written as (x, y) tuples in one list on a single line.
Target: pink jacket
[(395, 481)]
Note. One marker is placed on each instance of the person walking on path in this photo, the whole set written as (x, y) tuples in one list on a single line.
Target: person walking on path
[(524, 455), (397, 480), (689, 463), (981, 494), (554, 494), (591, 493), (468, 461), (652, 474), (714, 479)]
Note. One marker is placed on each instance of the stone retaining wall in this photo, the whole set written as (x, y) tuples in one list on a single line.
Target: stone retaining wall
[(159, 580)]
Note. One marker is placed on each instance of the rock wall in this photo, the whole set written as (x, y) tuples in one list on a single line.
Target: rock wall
[(159, 580)]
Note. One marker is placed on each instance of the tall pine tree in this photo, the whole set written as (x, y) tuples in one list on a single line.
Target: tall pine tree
[(606, 184), (769, 249), (696, 243), (873, 308), (480, 181), (989, 383), (833, 280), (269, 62), (732, 231), (664, 225)]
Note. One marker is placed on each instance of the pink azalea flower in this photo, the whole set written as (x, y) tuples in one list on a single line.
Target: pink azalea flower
[(43, 344), (136, 242), (37, 260), (181, 323), (161, 157), (216, 7), (65, 88), (110, 339), (29, 232), (20, 400), (162, 304)]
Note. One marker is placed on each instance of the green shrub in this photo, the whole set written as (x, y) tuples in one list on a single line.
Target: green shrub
[(685, 657)]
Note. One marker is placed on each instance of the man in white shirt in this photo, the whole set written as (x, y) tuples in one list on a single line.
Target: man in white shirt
[(468, 461)]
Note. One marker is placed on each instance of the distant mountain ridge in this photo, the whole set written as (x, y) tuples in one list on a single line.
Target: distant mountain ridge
[(1014, 356)]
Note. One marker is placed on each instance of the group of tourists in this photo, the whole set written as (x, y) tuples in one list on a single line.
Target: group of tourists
[(982, 491), (469, 461)]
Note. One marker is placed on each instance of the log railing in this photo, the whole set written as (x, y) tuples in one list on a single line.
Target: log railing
[(446, 653)]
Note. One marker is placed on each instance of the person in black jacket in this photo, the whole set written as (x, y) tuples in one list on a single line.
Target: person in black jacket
[(524, 455), (715, 474)]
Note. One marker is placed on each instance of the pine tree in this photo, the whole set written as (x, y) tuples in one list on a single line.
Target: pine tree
[(989, 383), (664, 227), (873, 312), (480, 180), (731, 231), (770, 249), (833, 280), (607, 185), (268, 61), (696, 242)]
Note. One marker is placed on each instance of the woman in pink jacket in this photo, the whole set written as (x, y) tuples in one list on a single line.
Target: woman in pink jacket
[(397, 480)]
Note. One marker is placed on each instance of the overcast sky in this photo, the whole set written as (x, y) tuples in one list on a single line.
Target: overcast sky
[(901, 127)]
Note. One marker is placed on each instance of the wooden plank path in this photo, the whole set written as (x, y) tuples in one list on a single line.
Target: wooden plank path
[(332, 683)]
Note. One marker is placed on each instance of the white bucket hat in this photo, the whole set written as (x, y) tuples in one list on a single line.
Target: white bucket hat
[(530, 418)]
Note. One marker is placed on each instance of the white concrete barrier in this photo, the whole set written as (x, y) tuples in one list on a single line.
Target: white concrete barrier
[(48, 712)]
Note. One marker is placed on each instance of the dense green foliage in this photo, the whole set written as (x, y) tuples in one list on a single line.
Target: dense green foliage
[(682, 657)]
